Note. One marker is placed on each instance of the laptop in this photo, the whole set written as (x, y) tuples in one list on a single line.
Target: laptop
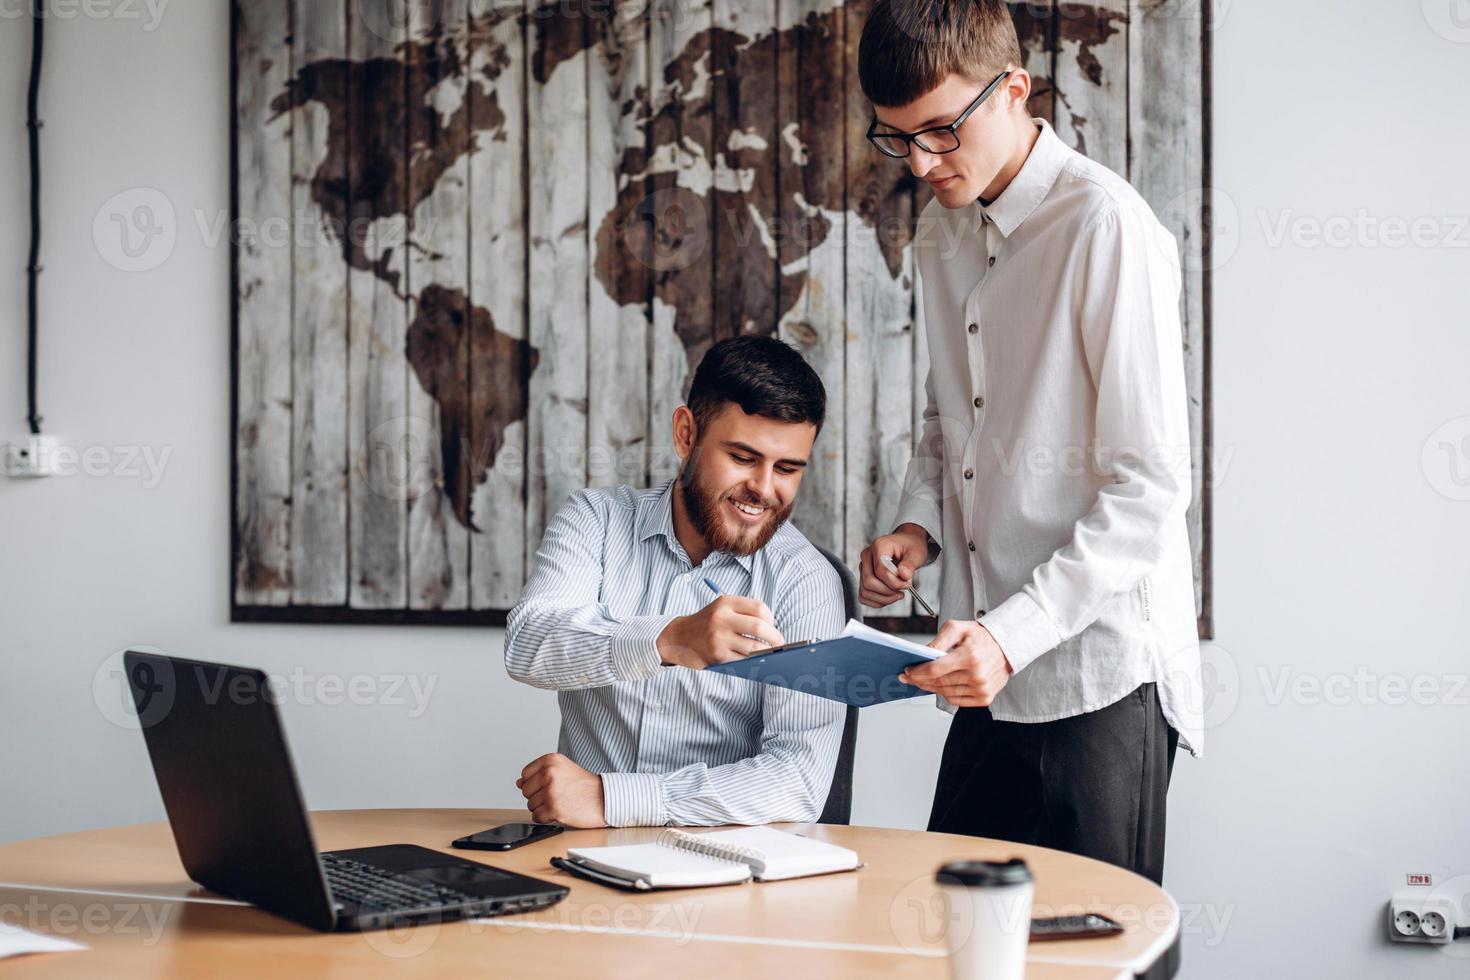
[(229, 787)]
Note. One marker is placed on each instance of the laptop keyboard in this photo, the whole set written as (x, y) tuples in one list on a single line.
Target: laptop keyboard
[(374, 888)]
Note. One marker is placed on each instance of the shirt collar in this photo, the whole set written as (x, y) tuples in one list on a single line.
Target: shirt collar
[(657, 517), (1028, 188)]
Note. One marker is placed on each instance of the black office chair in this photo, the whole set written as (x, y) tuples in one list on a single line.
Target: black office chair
[(839, 797)]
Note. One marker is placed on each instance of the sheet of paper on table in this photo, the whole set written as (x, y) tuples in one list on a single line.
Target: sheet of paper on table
[(15, 941)]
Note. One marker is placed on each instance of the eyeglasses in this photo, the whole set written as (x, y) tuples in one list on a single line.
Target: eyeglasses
[(939, 139)]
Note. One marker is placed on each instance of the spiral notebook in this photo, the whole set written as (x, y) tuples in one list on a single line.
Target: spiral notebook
[(679, 859)]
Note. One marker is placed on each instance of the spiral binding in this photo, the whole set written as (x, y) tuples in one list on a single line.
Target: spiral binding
[(701, 844)]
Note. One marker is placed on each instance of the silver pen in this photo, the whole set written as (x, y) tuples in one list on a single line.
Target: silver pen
[(913, 591)]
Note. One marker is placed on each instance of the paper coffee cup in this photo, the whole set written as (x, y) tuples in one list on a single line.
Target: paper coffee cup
[(989, 918)]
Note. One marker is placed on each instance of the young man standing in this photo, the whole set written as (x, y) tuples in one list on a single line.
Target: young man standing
[(1053, 471), (621, 614)]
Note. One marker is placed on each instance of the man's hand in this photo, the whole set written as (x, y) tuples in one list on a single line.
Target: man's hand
[(879, 585), (972, 671), (719, 632), (557, 790)]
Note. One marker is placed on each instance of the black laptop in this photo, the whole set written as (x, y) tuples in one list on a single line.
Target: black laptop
[(230, 790)]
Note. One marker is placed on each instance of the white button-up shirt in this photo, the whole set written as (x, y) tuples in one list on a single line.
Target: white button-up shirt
[(1053, 469)]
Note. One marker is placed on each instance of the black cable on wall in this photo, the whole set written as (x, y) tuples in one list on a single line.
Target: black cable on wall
[(33, 268)]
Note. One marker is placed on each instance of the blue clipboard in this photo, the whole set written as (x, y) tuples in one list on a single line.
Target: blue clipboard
[(851, 669)]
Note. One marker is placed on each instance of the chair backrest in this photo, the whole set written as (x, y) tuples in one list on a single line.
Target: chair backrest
[(839, 797)]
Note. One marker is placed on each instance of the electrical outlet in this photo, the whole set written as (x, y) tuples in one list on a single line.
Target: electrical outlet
[(1418, 915), (34, 457)]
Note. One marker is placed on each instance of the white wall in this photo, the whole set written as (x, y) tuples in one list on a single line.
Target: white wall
[(1335, 548)]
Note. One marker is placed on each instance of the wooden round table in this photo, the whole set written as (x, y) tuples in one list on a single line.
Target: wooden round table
[(123, 893)]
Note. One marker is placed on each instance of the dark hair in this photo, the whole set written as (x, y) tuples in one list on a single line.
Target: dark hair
[(910, 46), (763, 375)]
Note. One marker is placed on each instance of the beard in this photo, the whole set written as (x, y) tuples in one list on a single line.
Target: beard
[(704, 507)]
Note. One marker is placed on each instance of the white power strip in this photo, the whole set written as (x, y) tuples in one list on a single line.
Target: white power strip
[(1419, 915)]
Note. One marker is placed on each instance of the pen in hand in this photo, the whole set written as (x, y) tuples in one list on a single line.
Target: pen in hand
[(719, 592), (911, 590)]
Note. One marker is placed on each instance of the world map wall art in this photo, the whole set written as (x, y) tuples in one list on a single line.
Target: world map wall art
[(481, 244)]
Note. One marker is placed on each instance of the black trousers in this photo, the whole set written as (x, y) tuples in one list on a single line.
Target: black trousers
[(1094, 784)]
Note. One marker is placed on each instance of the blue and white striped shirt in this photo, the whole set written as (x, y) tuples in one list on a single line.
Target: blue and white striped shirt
[(673, 745)]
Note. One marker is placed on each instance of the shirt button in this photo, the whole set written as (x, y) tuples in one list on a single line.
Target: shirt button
[(979, 613), (979, 403), (992, 262), (974, 328), (969, 474), (972, 546)]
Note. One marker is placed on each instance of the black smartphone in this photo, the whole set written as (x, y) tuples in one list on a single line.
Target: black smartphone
[(507, 836), (1073, 927)]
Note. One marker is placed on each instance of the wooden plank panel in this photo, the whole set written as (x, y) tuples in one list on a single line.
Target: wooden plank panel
[(619, 280), (677, 213), (879, 380), (263, 407), (437, 345), (743, 72), (498, 247), (1036, 28), (812, 222), (557, 422), (1166, 139), (1092, 80), (319, 321), (385, 446)]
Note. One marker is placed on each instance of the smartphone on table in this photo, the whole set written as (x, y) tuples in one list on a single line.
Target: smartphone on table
[(507, 836)]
